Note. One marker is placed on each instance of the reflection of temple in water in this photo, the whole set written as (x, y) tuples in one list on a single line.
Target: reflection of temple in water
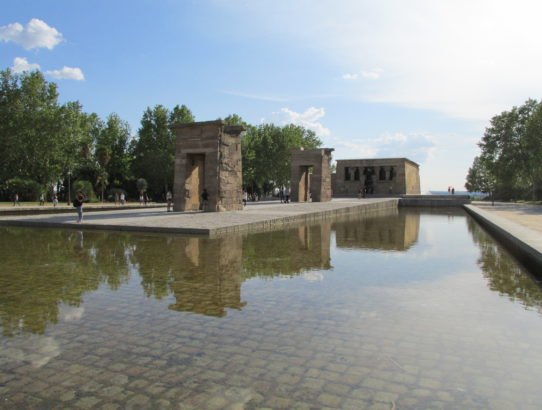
[(287, 252), (211, 277), (393, 230)]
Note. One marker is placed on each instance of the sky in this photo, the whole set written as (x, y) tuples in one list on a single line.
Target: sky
[(416, 79)]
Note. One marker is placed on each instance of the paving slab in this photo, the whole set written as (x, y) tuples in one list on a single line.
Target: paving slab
[(255, 217), (517, 226)]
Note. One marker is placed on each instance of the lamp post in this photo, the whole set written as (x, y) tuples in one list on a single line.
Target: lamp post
[(69, 188)]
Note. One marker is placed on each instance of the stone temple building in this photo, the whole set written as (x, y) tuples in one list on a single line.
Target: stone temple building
[(384, 176)]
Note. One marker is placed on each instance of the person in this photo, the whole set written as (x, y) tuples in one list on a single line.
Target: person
[(78, 204), (55, 200), (42, 199), (116, 198), (141, 199), (286, 195), (245, 197), (16, 199), (204, 199), (122, 198), (169, 199), (146, 199), (453, 191), (281, 194)]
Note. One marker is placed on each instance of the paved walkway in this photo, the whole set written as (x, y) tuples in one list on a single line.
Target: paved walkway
[(256, 216), (519, 226), (529, 216)]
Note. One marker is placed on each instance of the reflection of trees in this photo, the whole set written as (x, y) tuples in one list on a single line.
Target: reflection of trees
[(391, 229), (43, 268), (502, 272)]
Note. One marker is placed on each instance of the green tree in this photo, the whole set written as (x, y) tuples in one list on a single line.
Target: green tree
[(511, 153), (154, 149), (266, 151)]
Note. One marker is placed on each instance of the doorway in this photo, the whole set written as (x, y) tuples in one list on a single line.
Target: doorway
[(195, 181)]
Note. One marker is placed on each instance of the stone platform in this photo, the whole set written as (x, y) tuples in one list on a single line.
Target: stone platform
[(517, 226), (257, 216)]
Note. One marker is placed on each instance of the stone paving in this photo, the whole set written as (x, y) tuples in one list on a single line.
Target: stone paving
[(529, 216), (256, 216), (518, 226)]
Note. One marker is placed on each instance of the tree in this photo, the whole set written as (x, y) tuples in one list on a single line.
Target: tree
[(266, 151), (112, 141), (511, 152), (154, 150)]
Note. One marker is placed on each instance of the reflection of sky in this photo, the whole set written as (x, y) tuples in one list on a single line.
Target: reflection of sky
[(428, 275), (444, 247)]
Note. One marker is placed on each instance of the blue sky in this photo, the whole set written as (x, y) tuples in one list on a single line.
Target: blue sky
[(417, 79)]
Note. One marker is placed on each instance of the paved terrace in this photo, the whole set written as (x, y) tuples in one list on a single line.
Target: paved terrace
[(256, 216)]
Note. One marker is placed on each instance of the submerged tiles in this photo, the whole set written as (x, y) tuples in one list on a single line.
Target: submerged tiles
[(326, 327)]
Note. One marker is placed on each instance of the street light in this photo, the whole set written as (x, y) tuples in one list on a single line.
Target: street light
[(69, 188)]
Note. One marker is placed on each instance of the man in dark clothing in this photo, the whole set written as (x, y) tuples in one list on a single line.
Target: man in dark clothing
[(204, 199)]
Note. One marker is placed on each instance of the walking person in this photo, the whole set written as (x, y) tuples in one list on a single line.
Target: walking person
[(204, 200), (281, 195), (122, 198), (245, 197), (55, 200), (78, 204), (141, 200), (286, 195), (169, 199), (16, 199), (42, 199)]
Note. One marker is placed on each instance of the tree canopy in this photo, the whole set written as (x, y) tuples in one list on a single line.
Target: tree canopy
[(510, 163), (47, 146)]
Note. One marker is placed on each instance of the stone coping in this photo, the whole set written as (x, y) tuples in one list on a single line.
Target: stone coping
[(63, 209), (523, 242), (259, 216)]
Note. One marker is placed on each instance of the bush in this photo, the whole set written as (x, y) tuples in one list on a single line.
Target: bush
[(86, 188), (27, 189)]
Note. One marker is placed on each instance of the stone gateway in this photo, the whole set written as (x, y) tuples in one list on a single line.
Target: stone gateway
[(207, 156), (312, 186)]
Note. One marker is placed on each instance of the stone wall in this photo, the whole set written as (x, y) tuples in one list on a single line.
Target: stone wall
[(386, 176)]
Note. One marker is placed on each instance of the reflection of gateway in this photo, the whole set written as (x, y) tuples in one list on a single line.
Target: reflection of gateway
[(392, 230)]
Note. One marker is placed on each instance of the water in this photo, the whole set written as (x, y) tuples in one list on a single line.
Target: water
[(409, 309)]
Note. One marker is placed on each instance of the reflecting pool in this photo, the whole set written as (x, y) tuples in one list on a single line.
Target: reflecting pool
[(406, 309)]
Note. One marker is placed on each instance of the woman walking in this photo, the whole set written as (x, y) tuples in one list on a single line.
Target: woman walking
[(78, 204)]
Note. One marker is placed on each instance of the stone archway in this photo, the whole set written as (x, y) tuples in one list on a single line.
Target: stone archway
[(315, 185)]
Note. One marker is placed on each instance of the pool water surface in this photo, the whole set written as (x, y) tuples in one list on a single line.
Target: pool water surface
[(406, 309)]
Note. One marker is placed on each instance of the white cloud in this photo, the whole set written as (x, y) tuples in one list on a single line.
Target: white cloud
[(21, 64), (348, 76), (369, 75), (373, 75), (419, 148), (354, 149), (308, 119), (466, 59), (66, 73), (36, 34)]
